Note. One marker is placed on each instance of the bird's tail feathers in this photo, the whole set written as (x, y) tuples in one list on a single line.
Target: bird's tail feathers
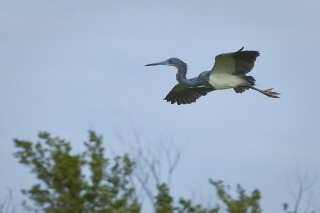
[(249, 79)]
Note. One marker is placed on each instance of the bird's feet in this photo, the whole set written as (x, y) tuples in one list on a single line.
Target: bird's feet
[(270, 93)]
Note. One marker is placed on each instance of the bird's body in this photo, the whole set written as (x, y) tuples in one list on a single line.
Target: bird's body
[(225, 81), (229, 71)]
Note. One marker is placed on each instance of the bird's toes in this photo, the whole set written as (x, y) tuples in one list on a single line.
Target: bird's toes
[(271, 94)]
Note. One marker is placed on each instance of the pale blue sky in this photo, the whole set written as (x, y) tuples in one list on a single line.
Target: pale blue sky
[(70, 66)]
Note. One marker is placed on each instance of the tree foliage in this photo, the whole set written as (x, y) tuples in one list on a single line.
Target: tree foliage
[(243, 204), (64, 187), (89, 182)]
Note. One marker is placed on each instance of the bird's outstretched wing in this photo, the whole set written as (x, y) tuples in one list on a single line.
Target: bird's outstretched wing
[(236, 63), (185, 95)]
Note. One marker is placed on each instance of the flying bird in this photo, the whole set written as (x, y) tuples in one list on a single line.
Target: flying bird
[(229, 71)]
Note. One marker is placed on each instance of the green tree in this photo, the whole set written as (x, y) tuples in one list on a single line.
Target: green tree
[(164, 201), (243, 204), (64, 187)]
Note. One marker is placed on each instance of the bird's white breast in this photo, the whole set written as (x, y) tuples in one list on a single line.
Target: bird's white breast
[(225, 81)]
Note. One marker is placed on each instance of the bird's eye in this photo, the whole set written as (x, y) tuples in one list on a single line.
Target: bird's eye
[(169, 61)]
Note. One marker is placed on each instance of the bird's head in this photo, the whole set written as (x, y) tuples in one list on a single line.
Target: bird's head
[(170, 62)]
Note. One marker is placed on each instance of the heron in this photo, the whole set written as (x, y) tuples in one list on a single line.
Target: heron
[(229, 71)]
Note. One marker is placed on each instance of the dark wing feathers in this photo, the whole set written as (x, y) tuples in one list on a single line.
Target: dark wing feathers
[(244, 61), (184, 95), (236, 63)]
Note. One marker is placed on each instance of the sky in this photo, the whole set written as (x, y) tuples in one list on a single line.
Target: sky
[(67, 67)]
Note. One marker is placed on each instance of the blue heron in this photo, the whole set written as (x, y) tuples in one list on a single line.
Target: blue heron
[(229, 71)]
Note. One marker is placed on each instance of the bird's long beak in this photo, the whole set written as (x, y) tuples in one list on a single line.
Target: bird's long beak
[(159, 63)]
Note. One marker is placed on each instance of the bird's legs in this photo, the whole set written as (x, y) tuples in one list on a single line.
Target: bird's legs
[(267, 92)]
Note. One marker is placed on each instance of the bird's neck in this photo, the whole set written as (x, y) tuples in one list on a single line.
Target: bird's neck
[(182, 78)]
